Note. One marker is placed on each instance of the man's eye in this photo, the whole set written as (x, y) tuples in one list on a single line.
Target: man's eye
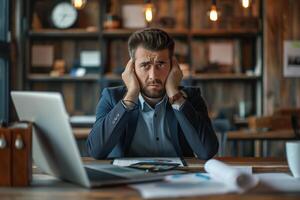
[(145, 66), (160, 65)]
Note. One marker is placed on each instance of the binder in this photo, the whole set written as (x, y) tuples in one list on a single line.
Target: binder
[(21, 154), (5, 157), (16, 155)]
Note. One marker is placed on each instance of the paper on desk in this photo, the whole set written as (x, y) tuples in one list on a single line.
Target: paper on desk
[(244, 168), (182, 186), (280, 182), (125, 162), (220, 179)]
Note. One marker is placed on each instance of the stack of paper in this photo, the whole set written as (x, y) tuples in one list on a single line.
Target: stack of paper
[(125, 162)]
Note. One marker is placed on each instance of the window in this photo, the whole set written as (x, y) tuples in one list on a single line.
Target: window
[(4, 60)]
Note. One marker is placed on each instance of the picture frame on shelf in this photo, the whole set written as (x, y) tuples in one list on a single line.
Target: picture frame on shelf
[(90, 58), (221, 54), (42, 56), (291, 67), (133, 16)]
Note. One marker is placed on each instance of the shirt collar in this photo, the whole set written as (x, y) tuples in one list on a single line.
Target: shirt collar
[(146, 107)]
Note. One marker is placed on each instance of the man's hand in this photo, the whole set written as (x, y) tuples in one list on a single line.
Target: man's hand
[(174, 79), (131, 82)]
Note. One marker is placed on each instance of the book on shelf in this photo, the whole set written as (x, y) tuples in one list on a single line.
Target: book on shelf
[(217, 56)]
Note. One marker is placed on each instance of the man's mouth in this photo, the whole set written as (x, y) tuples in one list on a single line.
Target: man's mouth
[(154, 85)]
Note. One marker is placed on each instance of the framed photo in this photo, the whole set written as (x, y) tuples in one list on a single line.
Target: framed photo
[(42, 55), (221, 56), (291, 58), (133, 16), (90, 59), (221, 53)]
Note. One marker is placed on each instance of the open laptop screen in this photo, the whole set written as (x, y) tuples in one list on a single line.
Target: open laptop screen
[(54, 147)]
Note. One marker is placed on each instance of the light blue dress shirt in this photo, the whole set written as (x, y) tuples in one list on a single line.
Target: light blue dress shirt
[(152, 137)]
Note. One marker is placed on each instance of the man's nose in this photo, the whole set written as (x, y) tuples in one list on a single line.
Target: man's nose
[(153, 73)]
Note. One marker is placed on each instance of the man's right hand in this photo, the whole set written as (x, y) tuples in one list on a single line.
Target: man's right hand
[(132, 84)]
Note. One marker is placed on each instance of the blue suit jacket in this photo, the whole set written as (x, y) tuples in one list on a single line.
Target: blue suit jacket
[(111, 135)]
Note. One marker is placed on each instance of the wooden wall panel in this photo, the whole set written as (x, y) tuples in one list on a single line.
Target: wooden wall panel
[(282, 22)]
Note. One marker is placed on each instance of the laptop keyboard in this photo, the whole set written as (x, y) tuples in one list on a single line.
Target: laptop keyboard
[(96, 175)]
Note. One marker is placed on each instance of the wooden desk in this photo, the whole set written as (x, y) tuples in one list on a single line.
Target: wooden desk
[(48, 188)]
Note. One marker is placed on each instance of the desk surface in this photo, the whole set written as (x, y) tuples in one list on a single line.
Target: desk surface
[(49, 188)]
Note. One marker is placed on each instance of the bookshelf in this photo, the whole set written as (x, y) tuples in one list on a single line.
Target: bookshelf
[(194, 35), (63, 46), (47, 78), (54, 33)]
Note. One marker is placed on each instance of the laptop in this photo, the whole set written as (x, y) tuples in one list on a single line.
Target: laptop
[(55, 150)]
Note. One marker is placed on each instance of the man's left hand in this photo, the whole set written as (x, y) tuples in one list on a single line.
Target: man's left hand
[(174, 79)]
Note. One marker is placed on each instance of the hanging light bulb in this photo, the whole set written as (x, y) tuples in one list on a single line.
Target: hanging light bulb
[(245, 3), (79, 4), (213, 12), (149, 12)]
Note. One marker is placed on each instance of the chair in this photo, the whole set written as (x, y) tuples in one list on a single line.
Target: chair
[(294, 114), (222, 124), (221, 127), (283, 121)]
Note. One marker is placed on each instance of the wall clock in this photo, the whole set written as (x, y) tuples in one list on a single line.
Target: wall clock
[(63, 15)]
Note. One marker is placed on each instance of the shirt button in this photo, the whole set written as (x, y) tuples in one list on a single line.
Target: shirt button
[(157, 138), (155, 115)]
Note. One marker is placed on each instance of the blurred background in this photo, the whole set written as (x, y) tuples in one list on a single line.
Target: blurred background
[(243, 54)]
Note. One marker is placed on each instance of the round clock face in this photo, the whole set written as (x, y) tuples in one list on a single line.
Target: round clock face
[(63, 15)]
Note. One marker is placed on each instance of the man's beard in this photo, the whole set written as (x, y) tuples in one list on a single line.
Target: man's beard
[(153, 93)]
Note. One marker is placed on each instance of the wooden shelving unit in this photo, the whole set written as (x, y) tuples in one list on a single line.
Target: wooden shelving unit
[(74, 33), (225, 77), (112, 44), (69, 78), (128, 32), (225, 33)]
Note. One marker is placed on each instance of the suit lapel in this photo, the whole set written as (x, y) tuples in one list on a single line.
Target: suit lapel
[(130, 129), (173, 128)]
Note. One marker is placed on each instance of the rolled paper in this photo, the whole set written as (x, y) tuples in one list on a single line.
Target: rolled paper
[(230, 176)]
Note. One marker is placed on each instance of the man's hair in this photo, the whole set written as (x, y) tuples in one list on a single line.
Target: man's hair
[(152, 39)]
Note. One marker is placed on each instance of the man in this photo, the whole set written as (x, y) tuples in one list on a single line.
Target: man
[(152, 116)]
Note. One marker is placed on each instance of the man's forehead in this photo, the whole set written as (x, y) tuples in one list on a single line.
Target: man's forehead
[(144, 54)]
